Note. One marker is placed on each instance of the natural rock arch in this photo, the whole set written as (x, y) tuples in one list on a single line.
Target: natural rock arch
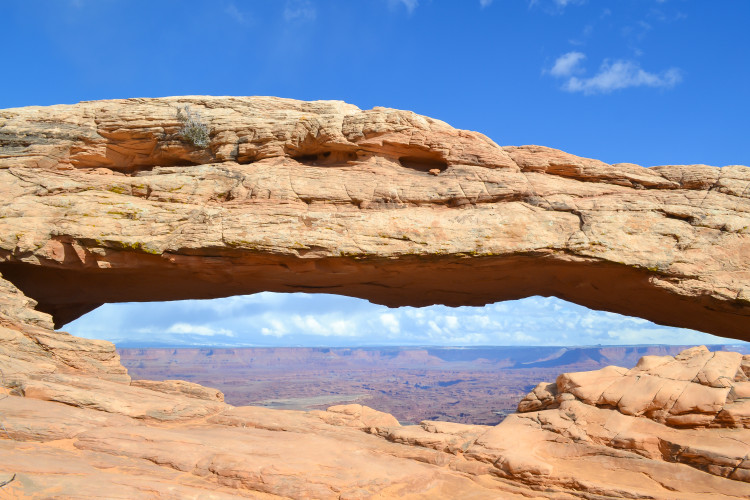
[(103, 202)]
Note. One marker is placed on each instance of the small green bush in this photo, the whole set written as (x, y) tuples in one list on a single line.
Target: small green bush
[(193, 129)]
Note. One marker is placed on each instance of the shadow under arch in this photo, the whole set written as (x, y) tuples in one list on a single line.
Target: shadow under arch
[(69, 292)]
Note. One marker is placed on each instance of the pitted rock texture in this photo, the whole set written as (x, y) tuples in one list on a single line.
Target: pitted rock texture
[(104, 201)]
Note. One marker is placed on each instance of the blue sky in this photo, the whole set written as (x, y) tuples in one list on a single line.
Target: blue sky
[(645, 81), (275, 319)]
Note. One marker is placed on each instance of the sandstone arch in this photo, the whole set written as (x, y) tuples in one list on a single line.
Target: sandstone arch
[(102, 202)]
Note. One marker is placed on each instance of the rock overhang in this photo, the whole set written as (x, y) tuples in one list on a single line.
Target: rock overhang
[(104, 202)]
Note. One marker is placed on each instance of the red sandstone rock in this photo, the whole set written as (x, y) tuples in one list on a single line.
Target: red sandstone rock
[(691, 389), (181, 387), (110, 434), (90, 434), (291, 195), (673, 396), (358, 416)]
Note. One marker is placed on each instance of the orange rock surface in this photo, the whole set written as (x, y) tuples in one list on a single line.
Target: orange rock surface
[(74, 426), (104, 201)]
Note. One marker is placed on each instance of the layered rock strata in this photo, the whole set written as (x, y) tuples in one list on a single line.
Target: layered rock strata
[(105, 201)]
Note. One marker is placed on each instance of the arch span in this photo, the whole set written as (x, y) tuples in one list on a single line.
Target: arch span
[(102, 202)]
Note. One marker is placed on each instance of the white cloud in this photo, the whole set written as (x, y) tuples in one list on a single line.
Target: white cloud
[(567, 64), (481, 320), (235, 13), (275, 328), (299, 10), (611, 76), (555, 4), (324, 325), (390, 321), (485, 3), (658, 334), (434, 328), (621, 75), (524, 338), (231, 305), (416, 314), (451, 322), (198, 330), (409, 4), (320, 319)]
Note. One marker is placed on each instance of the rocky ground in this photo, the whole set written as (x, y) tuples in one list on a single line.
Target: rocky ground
[(75, 426)]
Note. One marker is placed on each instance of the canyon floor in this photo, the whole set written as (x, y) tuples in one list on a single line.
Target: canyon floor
[(470, 385)]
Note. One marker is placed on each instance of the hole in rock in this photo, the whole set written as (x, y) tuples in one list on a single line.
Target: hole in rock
[(423, 164), (325, 157), (309, 351)]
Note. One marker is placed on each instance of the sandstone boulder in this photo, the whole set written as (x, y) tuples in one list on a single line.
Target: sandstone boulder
[(696, 388), (683, 409), (358, 416)]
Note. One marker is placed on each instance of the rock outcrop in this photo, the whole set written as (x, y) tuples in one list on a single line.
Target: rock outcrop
[(697, 388), (693, 408), (105, 201)]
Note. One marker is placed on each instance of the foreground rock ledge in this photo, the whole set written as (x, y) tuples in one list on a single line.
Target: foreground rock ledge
[(74, 426), (104, 201)]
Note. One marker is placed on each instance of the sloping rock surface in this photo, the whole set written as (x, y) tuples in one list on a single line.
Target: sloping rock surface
[(106, 201), (74, 426)]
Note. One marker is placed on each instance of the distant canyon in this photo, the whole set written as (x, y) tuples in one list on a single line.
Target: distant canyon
[(470, 385)]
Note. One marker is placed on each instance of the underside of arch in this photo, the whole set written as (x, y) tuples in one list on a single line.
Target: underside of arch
[(104, 202)]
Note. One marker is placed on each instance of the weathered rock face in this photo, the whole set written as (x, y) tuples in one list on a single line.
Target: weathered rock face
[(104, 202), (29, 348), (655, 410), (698, 388)]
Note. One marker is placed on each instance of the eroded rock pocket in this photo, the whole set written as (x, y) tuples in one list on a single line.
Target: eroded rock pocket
[(423, 164)]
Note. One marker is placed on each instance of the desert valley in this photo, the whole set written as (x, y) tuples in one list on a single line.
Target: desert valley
[(465, 385)]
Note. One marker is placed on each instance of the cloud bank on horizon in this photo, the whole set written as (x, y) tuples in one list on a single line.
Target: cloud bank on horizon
[(299, 319)]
